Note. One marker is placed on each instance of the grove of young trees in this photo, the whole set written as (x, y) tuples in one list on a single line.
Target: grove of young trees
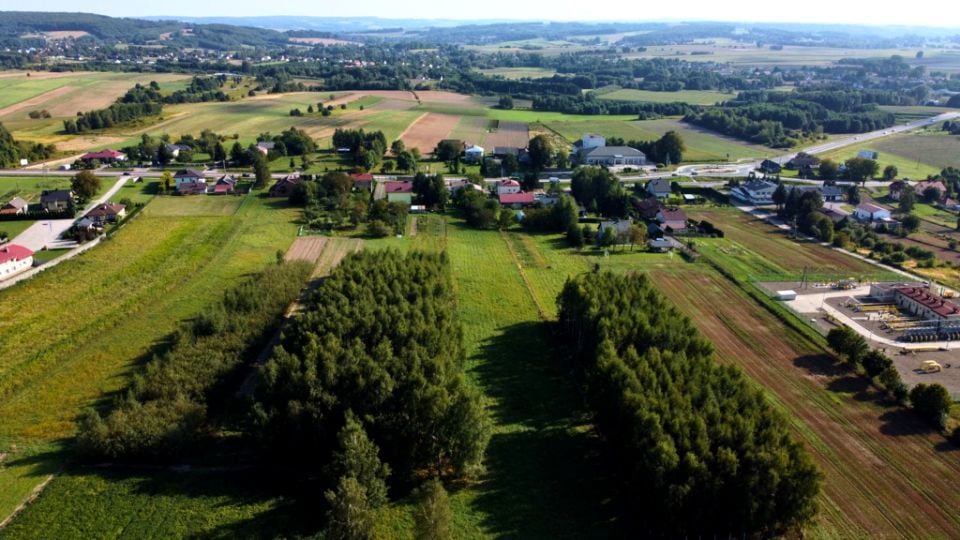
[(380, 340), (694, 447)]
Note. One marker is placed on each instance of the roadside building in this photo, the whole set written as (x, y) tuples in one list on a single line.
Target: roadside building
[(517, 200), (14, 259), (283, 187), (56, 200), (16, 206), (755, 192), (104, 156), (659, 188), (871, 212), (612, 156), (107, 213)]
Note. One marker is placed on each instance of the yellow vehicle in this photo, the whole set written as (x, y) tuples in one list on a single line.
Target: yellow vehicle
[(930, 366)]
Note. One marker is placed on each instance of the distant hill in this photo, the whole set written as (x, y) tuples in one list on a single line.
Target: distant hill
[(326, 24)]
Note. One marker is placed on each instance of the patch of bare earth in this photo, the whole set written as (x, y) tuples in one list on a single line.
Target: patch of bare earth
[(509, 134), (306, 248), (428, 130)]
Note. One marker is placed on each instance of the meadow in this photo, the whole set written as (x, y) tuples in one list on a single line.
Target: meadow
[(916, 154), (519, 72), (96, 317)]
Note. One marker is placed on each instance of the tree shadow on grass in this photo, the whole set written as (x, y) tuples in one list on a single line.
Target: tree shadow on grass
[(900, 422), (545, 478)]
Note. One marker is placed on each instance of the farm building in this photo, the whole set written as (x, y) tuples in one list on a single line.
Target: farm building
[(611, 156), (401, 192), (14, 259), (517, 200), (648, 208), (16, 206), (283, 187), (664, 244), (922, 188), (659, 188), (107, 213), (673, 219), (755, 192), (56, 200), (104, 156), (871, 212)]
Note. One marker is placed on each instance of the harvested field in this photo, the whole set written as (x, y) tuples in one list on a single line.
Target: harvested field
[(35, 102), (507, 133), (472, 130), (306, 248), (885, 474), (428, 130)]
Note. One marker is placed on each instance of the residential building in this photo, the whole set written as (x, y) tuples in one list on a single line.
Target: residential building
[(517, 200), (896, 188), (672, 219), (188, 176), (283, 187), (473, 153), (175, 149), (621, 226), (107, 213), (507, 185), (401, 191), (14, 259), (225, 185), (922, 187), (831, 193), (264, 147), (104, 156), (501, 151), (56, 200), (664, 244), (803, 160), (15, 207), (611, 156), (871, 212), (648, 208), (659, 188), (362, 181), (755, 192), (770, 167)]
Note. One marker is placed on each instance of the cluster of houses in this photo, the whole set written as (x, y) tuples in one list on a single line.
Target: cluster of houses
[(193, 182), (52, 200)]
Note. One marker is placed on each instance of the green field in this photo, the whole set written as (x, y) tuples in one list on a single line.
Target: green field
[(28, 188), (97, 316), (519, 72), (693, 97), (916, 154)]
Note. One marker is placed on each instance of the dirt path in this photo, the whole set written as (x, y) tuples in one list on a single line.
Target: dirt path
[(885, 474), (413, 228), (30, 498)]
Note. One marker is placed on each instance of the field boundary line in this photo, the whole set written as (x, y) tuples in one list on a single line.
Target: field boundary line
[(410, 125), (523, 275), (34, 493)]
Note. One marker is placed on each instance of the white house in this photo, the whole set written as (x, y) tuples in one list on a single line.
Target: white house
[(588, 142), (473, 153), (508, 186), (871, 212), (189, 176), (612, 156), (14, 259), (755, 192)]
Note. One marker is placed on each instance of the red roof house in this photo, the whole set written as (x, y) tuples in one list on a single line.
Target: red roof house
[(284, 186), (14, 258), (104, 156), (404, 186), (362, 181), (107, 212), (517, 199)]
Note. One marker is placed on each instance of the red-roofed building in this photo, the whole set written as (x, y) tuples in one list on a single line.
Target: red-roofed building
[(104, 156), (923, 303), (922, 187), (14, 259), (517, 200), (362, 181), (674, 218), (284, 186), (401, 192), (508, 186)]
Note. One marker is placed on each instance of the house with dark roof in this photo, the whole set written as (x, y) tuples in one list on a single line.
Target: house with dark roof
[(803, 160), (621, 228), (895, 189), (659, 188), (770, 167), (673, 219), (107, 213), (502, 151), (612, 156), (15, 207), (648, 208), (923, 186), (283, 187), (56, 200), (14, 259), (755, 192), (831, 193), (175, 149)]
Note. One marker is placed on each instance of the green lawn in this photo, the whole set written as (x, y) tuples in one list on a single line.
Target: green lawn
[(13, 228), (693, 97), (936, 215), (29, 187), (92, 319)]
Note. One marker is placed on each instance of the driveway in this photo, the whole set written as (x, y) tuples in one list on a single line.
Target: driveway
[(46, 232)]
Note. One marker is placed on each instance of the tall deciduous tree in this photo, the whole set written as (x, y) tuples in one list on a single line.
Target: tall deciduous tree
[(541, 151), (85, 185), (350, 515)]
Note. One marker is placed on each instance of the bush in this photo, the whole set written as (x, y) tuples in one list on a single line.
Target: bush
[(933, 402)]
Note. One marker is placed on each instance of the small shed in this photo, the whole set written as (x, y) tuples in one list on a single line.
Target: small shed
[(787, 295)]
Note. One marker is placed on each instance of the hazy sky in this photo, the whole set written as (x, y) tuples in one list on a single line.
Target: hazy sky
[(927, 13)]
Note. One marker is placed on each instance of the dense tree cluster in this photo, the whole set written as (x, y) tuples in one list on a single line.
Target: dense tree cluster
[(589, 104), (138, 102), (479, 210), (598, 190), (379, 338), (695, 447), (802, 206), (12, 151), (366, 148), (431, 191), (558, 217), (200, 90), (173, 404)]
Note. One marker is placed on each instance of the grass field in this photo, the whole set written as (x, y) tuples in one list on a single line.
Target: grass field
[(916, 154), (97, 316), (29, 187), (520, 72), (693, 97)]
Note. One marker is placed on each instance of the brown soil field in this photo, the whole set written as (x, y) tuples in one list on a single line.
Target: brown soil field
[(306, 248), (514, 134), (885, 474), (428, 130), (769, 241)]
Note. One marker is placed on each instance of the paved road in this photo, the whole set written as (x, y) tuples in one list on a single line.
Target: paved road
[(46, 232)]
